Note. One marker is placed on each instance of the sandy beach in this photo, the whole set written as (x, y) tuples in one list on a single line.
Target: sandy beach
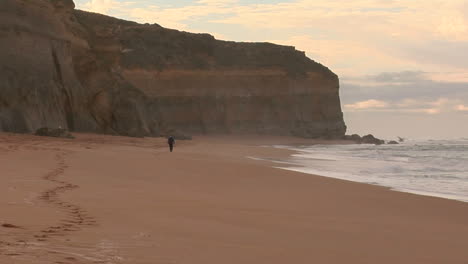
[(107, 199)]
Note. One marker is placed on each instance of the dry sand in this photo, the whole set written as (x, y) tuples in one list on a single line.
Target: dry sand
[(104, 199)]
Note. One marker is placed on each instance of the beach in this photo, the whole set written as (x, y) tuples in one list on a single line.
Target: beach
[(109, 199)]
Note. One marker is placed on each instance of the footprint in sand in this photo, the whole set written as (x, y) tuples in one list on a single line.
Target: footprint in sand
[(76, 215), (6, 225), (76, 218)]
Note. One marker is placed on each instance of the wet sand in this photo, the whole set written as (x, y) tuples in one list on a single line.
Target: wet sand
[(106, 199)]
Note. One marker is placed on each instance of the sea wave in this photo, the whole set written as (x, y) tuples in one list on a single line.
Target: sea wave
[(430, 167)]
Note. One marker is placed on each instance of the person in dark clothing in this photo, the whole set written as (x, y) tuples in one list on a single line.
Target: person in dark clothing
[(171, 142)]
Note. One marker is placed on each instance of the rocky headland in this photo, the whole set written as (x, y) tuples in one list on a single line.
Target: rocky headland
[(86, 72)]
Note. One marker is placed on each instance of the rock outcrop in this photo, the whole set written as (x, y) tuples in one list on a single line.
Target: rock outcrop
[(367, 139), (53, 132), (88, 72), (370, 139)]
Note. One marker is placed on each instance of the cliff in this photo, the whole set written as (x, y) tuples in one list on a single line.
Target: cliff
[(88, 72)]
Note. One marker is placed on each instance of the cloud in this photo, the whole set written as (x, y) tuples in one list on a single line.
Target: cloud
[(453, 24), (166, 18), (449, 77), (171, 17), (398, 77), (408, 105), (352, 18), (103, 6), (461, 108), (405, 84), (368, 104), (347, 57), (388, 79), (217, 2), (404, 93)]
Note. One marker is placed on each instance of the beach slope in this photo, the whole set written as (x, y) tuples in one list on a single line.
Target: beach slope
[(106, 199)]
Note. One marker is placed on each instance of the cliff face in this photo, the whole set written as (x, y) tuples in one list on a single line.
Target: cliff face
[(88, 72), (51, 76)]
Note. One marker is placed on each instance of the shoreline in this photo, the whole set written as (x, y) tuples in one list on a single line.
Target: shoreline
[(128, 200), (293, 163)]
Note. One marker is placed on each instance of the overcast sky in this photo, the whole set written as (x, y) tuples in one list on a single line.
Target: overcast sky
[(403, 64)]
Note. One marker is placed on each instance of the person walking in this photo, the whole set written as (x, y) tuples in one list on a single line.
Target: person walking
[(171, 142)]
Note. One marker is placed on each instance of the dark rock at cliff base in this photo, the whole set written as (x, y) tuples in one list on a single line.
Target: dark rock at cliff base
[(370, 139), (86, 72), (53, 132), (354, 137), (393, 142)]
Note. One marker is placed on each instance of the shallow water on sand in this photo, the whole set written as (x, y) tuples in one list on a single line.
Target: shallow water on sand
[(430, 167)]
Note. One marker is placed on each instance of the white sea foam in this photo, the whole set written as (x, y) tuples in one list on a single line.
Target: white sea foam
[(431, 167)]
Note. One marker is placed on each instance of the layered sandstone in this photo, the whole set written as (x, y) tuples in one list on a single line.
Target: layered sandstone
[(89, 72), (50, 75)]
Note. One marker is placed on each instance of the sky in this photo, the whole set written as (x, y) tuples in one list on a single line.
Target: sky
[(403, 64)]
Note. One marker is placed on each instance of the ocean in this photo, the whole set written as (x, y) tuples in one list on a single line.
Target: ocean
[(426, 167)]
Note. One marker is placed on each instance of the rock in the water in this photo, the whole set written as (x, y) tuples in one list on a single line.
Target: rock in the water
[(53, 132), (393, 142), (370, 139), (354, 137)]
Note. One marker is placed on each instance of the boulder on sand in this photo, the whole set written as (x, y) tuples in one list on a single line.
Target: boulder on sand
[(53, 132)]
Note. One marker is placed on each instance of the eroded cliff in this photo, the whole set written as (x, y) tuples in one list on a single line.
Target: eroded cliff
[(89, 72)]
